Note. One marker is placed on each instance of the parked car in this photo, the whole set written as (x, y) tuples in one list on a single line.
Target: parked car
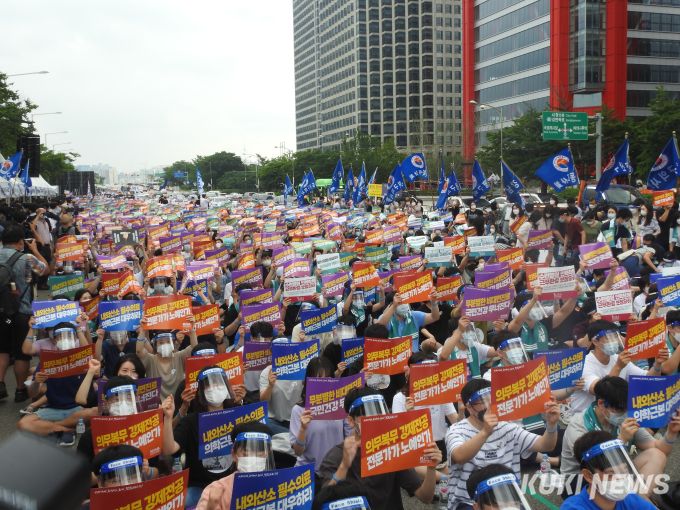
[(618, 195)]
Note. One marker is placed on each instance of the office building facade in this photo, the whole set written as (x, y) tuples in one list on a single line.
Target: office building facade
[(388, 68)]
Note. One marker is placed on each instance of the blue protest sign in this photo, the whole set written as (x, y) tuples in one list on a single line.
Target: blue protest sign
[(192, 288), (565, 367), (283, 488), (321, 320), (51, 313), (352, 348), (653, 401), (214, 429), (290, 361), (120, 315), (669, 290)]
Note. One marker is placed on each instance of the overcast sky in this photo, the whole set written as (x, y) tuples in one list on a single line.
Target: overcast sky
[(155, 81)]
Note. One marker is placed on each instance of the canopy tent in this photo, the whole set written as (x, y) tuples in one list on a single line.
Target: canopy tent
[(16, 188), (41, 188)]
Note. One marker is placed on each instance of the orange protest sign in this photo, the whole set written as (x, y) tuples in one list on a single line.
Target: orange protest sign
[(431, 384), (393, 442), (311, 230), (447, 287), (520, 391), (374, 236), (111, 283), (360, 249), (518, 223), (230, 362), (167, 312), (246, 260), (67, 240), (644, 339), (69, 251), (142, 430), (91, 308), (64, 363), (159, 266), (531, 273), (201, 247), (180, 263), (413, 288), (666, 197), (365, 275), (350, 244), (513, 256), (457, 244), (470, 232), (129, 283), (207, 318), (166, 492), (155, 233), (387, 356)]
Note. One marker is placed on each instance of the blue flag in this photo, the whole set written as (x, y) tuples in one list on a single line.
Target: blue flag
[(165, 184), (479, 183), (287, 190), (442, 175), (348, 185), (664, 173), (414, 166), (451, 187), (199, 181), (337, 177), (25, 178), (618, 165), (559, 171), (372, 181), (512, 184), (308, 184), (395, 183), (10, 167), (360, 182)]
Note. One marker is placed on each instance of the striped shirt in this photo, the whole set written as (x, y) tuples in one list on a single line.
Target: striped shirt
[(504, 446)]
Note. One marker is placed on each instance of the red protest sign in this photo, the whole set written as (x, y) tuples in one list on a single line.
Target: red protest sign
[(447, 287), (91, 308), (246, 260), (65, 363), (520, 391), (644, 339), (159, 266), (69, 251), (167, 312), (662, 198), (111, 283), (387, 356), (393, 442), (230, 362), (431, 384), (142, 430), (166, 492), (129, 283), (207, 318), (513, 256), (365, 275), (531, 273), (413, 288), (457, 244), (155, 233)]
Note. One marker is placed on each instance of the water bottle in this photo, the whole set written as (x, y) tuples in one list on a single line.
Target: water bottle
[(444, 498), (80, 428), (177, 466)]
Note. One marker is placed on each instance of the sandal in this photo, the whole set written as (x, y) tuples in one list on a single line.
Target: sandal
[(29, 409)]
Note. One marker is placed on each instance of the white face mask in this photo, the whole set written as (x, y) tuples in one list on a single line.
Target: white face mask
[(165, 350), (119, 337), (611, 216), (122, 409), (552, 202), (591, 206), (615, 419), (676, 336), (615, 489), (403, 310), (535, 315), (65, 345), (473, 207), (266, 263), (643, 212), (251, 464), (515, 211), (215, 396), (492, 231)]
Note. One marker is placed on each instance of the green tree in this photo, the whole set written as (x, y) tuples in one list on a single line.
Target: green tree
[(14, 117), (54, 164)]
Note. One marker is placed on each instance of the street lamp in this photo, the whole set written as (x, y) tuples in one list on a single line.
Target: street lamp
[(257, 179), (51, 113), (500, 114), (24, 74), (55, 133), (65, 143), (283, 149)]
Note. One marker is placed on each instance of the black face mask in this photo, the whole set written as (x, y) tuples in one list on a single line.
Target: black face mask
[(480, 415)]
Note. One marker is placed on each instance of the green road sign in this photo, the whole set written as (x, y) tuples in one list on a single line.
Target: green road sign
[(565, 125)]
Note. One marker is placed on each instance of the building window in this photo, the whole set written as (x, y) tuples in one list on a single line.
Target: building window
[(458, 88), (449, 101), (439, 34), (449, 114), (401, 102), (457, 62), (440, 114), (414, 114), (428, 86), (440, 75), (428, 73), (449, 88), (456, 35), (456, 22), (373, 14), (401, 89), (448, 35), (439, 8), (401, 76), (427, 60), (399, 10), (449, 22), (374, 40), (388, 90), (375, 116), (456, 9), (375, 91), (363, 118), (414, 101), (363, 79), (427, 47), (387, 38), (388, 116), (400, 37), (387, 65), (413, 22), (362, 67), (427, 34), (428, 113), (363, 105), (375, 104), (387, 12), (428, 100), (401, 141), (414, 88), (448, 48), (375, 129), (388, 129), (413, 62), (375, 79), (440, 21), (401, 128), (413, 49), (375, 65), (401, 115), (374, 28), (387, 25), (458, 101), (440, 88), (457, 49), (458, 114), (400, 63), (388, 78), (440, 100), (388, 102), (440, 48), (413, 35), (457, 75), (440, 61), (413, 75)]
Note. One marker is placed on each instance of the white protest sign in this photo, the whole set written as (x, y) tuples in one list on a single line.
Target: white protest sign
[(416, 240), (614, 305), (329, 263), (438, 257), (299, 289), (557, 282), (481, 245)]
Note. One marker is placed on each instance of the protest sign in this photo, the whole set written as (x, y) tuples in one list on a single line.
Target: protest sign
[(334, 285), (57, 364), (257, 355), (156, 232), (120, 315), (91, 308), (487, 304), (329, 263), (416, 241), (230, 362), (251, 276), (142, 430), (246, 260), (284, 254), (271, 240), (352, 348), (620, 279), (669, 290), (394, 442), (69, 251), (319, 320), (531, 273), (111, 263), (267, 312), (50, 313), (447, 287), (325, 396), (167, 312), (251, 297), (66, 285), (565, 367), (481, 245), (373, 236), (207, 319), (653, 401), (493, 279), (297, 268), (614, 305), (432, 384), (125, 237), (557, 282), (365, 275), (387, 356), (159, 266), (290, 361), (159, 494), (391, 234), (662, 198), (378, 255), (644, 339), (385, 277), (410, 263), (520, 391), (539, 239), (413, 288), (299, 289), (457, 244), (498, 266), (214, 428), (148, 393), (111, 282), (597, 255), (283, 489), (303, 248), (438, 257), (513, 256)]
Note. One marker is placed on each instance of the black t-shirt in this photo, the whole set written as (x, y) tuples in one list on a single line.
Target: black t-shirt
[(438, 328), (560, 226), (665, 226), (230, 316), (333, 353)]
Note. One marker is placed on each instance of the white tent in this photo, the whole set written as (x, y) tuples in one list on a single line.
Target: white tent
[(41, 188)]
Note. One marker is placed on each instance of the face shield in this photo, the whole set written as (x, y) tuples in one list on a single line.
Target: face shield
[(119, 337), (122, 400), (610, 342), (503, 492), (65, 338), (514, 351), (614, 475), (358, 299), (254, 452), (158, 284), (68, 267), (536, 313), (357, 503), (368, 405), (205, 352), (164, 344), (121, 472), (480, 401), (472, 335), (214, 387), (342, 332)]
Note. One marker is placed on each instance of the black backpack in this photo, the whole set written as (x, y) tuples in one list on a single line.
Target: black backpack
[(10, 300)]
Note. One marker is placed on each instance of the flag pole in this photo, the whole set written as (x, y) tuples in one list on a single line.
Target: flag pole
[(675, 141), (628, 162)]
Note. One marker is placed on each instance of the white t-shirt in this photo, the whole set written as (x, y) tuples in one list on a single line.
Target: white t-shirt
[(205, 202), (594, 370), (285, 395), (639, 303), (524, 232), (438, 414)]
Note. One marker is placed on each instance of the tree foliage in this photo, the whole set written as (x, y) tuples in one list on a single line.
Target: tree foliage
[(54, 164), (653, 133), (14, 117)]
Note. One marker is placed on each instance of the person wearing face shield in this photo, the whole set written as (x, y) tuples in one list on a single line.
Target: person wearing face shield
[(401, 321), (609, 413), (120, 465), (609, 474), (481, 439), (251, 452), (343, 461), (166, 362), (344, 495), (158, 286), (496, 486), (345, 329), (214, 393), (362, 311), (608, 357), (110, 350), (465, 342)]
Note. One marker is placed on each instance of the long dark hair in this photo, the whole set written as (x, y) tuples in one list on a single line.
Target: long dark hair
[(521, 211), (535, 217), (650, 215), (201, 408), (317, 367), (417, 357), (132, 358)]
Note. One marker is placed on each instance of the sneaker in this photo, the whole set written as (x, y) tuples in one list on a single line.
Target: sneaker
[(53, 437), (21, 395), (67, 439), (3, 391)]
